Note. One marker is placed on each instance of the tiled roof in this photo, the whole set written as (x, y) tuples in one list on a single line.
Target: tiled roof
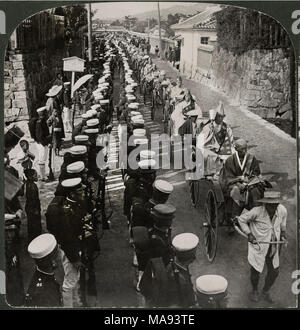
[(203, 20)]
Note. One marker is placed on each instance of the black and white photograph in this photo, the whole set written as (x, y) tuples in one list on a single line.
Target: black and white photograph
[(150, 158)]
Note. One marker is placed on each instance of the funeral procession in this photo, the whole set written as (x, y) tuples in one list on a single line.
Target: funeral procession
[(150, 158)]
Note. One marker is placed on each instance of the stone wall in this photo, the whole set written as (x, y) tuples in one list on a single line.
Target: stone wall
[(257, 79), (27, 78)]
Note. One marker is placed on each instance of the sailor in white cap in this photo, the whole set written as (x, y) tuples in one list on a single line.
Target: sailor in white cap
[(67, 108), (67, 228), (43, 290), (43, 139), (211, 291), (81, 140)]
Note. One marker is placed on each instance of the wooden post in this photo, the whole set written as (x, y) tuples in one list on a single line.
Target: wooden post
[(90, 52), (159, 31), (72, 83)]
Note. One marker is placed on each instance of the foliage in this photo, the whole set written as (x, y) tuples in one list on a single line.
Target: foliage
[(239, 30), (76, 17), (116, 23)]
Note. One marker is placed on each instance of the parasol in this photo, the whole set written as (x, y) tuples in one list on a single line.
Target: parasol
[(81, 81)]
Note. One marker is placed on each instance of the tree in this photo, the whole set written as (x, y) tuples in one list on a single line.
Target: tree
[(116, 23)]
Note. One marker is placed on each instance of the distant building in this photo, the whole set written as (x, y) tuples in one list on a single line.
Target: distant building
[(198, 38), (155, 31)]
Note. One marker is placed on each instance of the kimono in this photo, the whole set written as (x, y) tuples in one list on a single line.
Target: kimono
[(215, 140), (178, 115), (234, 172)]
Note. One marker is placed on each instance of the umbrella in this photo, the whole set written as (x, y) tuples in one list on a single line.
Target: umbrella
[(81, 81)]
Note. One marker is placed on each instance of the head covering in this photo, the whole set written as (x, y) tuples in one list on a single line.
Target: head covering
[(195, 112), (271, 197), (185, 242), (42, 246), (220, 109), (92, 122), (71, 183), (146, 164), (54, 90), (240, 144), (39, 110), (78, 150), (163, 186), (211, 284), (139, 132), (81, 138), (75, 167)]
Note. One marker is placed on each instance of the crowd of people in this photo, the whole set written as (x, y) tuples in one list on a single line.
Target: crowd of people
[(77, 210)]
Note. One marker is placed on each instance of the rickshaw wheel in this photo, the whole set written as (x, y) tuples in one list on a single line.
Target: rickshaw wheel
[(210, 226), (192, 192), (153, 104)]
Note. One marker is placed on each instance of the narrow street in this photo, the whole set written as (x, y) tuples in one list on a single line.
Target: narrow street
[(115, 273)]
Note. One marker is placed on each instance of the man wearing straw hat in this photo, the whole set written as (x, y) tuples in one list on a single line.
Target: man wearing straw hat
[(265, 226)]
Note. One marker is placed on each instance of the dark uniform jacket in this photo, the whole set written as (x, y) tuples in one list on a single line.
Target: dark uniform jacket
[(42, 133), (167, 285), (64, 221), (43, 291)]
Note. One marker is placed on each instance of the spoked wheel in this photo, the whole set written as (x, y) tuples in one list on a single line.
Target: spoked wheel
[(210, 226), (153, 104), (192, 184)]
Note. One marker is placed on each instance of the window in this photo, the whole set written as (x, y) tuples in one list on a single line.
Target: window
[(204, 40)]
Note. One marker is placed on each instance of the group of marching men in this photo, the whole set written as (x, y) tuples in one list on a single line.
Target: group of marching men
[(253, 204), (162, 263), (74, 215)]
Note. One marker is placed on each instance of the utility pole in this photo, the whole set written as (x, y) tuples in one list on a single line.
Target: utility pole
[(90, 49), (159, 33)]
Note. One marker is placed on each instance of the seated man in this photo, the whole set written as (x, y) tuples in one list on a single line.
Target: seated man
[(240, 170), (215, 139)]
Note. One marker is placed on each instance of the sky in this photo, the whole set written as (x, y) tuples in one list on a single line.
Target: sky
[(121, 9)]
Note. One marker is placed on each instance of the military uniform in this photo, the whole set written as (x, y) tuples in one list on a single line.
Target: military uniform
[(67, 229), (167, 283), (43, 290)]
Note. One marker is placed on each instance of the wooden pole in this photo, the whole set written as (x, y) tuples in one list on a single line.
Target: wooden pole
[(159, 32), (90, 52)]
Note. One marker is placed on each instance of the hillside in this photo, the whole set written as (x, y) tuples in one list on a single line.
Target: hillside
[(184, 9)]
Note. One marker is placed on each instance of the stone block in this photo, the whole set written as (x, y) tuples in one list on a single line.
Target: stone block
[(8, 65), (8, 80), (266, 84), (6, 86), (8, 94), (18, 73), (252, 95), (16, 57), (15, 111), (7, 103), (268, 102), (20, 103), (21, 86), (7, 112), (18, 80), (18, 65), (21, 95), (277, 95)]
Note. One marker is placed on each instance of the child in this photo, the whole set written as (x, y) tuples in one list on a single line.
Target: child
[(32, 204), (25, 157)]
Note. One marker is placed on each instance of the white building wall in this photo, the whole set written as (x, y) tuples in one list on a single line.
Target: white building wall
[(189, 50)]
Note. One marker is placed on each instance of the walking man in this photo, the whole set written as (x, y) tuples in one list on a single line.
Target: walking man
[(266, 224)]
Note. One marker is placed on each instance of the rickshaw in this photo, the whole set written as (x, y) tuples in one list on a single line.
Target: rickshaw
[(217, 205)]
